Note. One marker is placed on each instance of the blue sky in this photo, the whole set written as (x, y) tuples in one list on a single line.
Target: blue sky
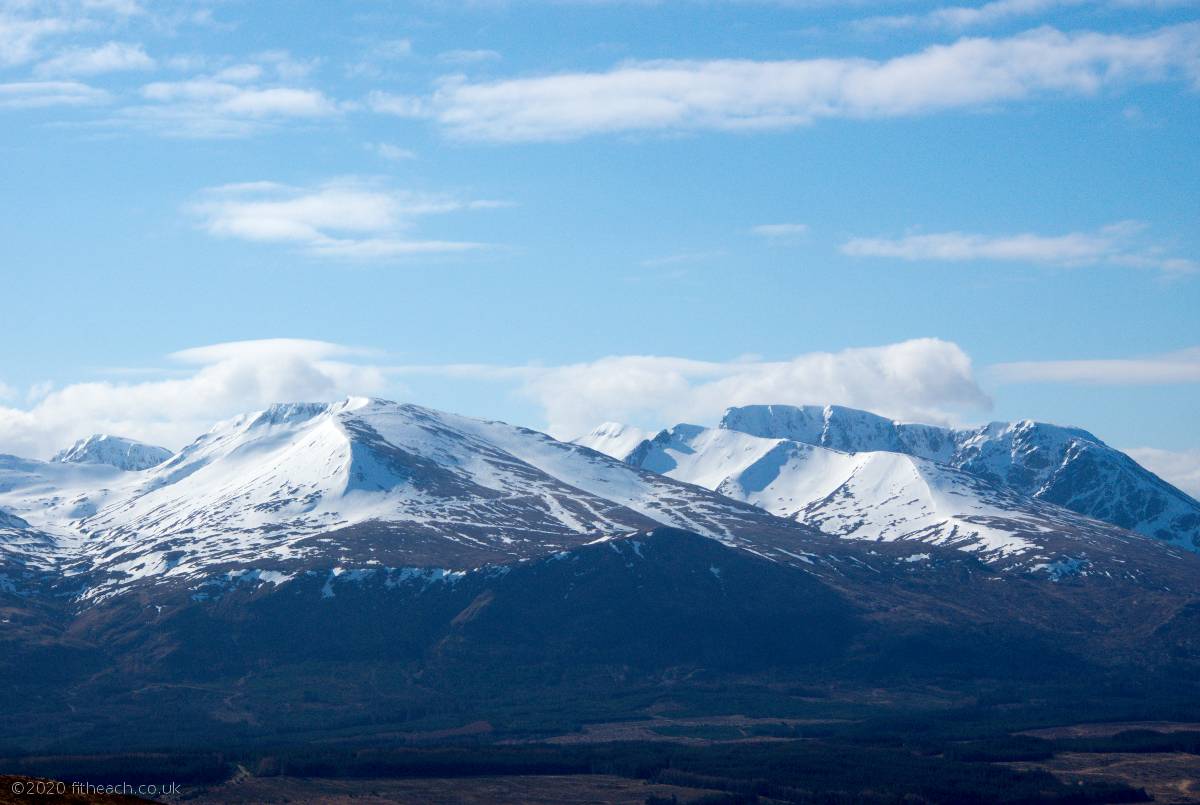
[(561, 212)]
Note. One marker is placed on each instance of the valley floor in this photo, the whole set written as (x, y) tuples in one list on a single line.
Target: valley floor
[(573, 789), (943, 758), (1170, 778)]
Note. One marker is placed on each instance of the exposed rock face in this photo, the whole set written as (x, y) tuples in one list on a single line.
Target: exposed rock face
[(1062, 465)]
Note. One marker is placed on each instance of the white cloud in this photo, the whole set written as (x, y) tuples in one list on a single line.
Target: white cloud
[(962, 17), (38, 94), (467, 56), (107, 58), (998, 11), (21, 38), (1116, 244), (38, 390), (239, 73), (780, 231), (121, 8), (752, 95), (1182, 366), (29, 28), (387, 103), (924, 379), (217, 381), (682, 258), (392, 153), (1179, 468), (211, 108), (376, 58), (284, 65), (233, 100), (393, 49), (267, 349), (348, 218)]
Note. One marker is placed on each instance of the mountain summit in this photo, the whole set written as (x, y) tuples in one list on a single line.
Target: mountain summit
[(879, 495), (115, 451), (1065, 466)]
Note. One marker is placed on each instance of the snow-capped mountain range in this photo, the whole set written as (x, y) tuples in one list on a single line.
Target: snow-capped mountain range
[(879, 496), (358, 482), (853, 473), (372, 483), (377, 544)]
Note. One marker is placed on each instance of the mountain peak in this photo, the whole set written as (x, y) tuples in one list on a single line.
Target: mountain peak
[(835, 426), (613, 439), (283, 413), (115, 451), (1059, 464), (1044, 430)]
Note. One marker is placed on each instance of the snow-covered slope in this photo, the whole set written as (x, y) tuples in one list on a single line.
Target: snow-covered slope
[(360, 481), (372, 483), (1062, 465), (878, 495), (51, 494), (613, 439), (42, 502), (124, 454)]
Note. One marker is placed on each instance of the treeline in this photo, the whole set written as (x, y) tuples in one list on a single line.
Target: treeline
[(803, 772), (1031, 748), (1133, 741), (824, 771)]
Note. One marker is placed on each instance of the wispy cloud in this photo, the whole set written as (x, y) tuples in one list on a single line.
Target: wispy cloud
[(389, 103), (682, 258), (120, 8), (232, 101), (1178, 467), (31, 29), (780, 231), (110, 57), (959, 18), (346, 219), (962, 17), (1117, 244), (1182, 366), (21, 38), (223, 98), (467, 56), (37, 94), (378, 58), (741, 95), (392, 153)]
